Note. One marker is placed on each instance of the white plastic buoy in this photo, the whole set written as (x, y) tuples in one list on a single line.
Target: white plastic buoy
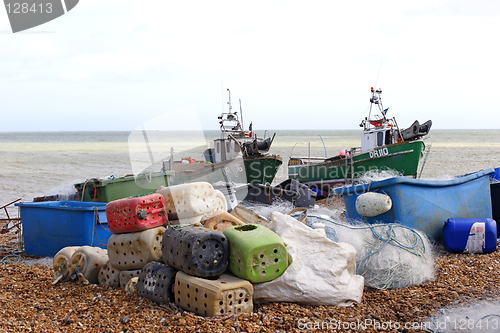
[(372, 204)]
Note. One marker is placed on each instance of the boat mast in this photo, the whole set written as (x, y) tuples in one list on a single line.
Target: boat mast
[(229, 102), (376, 99), (241, 115)]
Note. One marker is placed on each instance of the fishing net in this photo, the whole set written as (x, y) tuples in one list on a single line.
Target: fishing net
[(389, 256), (265, 210), (377, 175)]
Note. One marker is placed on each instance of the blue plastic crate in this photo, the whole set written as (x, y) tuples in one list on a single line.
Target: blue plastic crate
[(426, 205), (52, 225)]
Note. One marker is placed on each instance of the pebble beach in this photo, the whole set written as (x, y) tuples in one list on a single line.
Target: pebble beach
[(30, 302)]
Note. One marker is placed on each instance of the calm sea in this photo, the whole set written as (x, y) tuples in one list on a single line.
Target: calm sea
[(42, 163)]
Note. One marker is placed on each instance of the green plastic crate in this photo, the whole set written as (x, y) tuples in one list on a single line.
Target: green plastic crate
[(106, 190), (256, 253)]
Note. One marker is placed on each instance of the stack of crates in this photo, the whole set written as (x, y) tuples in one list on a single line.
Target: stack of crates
[(137, 227), (207, 270)]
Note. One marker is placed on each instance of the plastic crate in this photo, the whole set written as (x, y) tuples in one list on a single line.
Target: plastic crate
[(134, 250), (257, 254), (196, 251), (136, 214), (156, 283), (52, 225), (226, 294)]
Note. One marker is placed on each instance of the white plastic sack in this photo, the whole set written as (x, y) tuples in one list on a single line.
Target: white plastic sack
[(322, 272)]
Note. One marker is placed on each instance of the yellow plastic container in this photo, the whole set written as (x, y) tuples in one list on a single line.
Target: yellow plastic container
[(221, 220), (227, 294)]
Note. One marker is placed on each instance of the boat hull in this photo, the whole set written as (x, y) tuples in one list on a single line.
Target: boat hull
[(403, 157), (254, 169), (262, 169)]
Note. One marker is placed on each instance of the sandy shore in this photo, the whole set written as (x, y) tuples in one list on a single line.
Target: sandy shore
[(30, 302)]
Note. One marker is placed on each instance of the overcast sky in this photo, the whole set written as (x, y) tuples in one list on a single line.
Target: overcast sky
[(114, 65)]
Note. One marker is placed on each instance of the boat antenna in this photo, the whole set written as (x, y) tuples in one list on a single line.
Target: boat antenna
[(241, 115), (375, 100), (379, 69), (229, 103), (222, 94)]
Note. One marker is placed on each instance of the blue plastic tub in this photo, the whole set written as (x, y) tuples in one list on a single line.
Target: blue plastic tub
[(52, 225), (470, 235), (495, 203), (426, 205), (495, 177)]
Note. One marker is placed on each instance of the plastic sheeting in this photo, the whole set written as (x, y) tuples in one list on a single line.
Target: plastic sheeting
[(323, 272)]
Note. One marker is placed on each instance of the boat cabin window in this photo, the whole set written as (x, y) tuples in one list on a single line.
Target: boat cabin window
[(228, 146), (388, 137), (218, 147), (380, 139), (236, 147)]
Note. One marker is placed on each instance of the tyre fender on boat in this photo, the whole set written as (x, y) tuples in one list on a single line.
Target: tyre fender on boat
[(372, 204)]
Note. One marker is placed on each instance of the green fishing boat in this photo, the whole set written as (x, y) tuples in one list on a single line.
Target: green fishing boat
[(384, 146), (238, 156)]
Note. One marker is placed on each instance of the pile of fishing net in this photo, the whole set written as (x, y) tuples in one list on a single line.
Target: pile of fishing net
[(376, 175), (389, 255)]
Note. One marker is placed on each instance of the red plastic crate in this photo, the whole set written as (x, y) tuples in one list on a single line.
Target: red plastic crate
[(136, 214)]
